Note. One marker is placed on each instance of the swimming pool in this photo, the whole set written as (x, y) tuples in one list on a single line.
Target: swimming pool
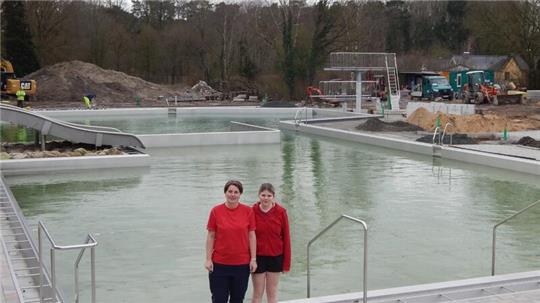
[(428, 221)]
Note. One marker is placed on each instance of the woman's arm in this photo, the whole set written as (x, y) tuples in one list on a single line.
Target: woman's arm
[(286, 243), (208, 264), (253, 251)]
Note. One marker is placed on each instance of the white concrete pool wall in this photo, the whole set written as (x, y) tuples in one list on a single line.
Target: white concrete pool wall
[(446, 152), (32, 166)]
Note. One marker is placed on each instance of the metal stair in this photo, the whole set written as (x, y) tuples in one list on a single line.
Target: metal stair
[(20, 254), (393, 80)]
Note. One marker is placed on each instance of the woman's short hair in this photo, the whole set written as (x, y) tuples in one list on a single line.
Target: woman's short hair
[(236, 183), (267, 186)]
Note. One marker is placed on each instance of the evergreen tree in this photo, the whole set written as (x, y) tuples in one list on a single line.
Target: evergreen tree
[(450, 29), (398, 38), (17, 45)]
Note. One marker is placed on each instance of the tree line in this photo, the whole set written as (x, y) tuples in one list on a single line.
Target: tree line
[(276, 47)]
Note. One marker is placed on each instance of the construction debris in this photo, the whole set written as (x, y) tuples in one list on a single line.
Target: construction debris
[(528, 141), (376, 125), (70, 81)]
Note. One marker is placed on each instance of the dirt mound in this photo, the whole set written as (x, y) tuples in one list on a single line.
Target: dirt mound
[(455, 139), (471, 123), (528, 141), (376, 125), (69, 81)]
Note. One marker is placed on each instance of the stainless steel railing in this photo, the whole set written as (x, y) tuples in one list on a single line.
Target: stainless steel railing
[(495, 233), (441, 139), (364, 227), (89, 243), (437, 130)]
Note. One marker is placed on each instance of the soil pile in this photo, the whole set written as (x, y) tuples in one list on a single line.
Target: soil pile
[(528, 141), (472, 123), (55, 149), (376, 125), (69, 81), (455, 139)]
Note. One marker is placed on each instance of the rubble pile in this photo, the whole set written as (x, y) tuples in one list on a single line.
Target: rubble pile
[(376, 125)]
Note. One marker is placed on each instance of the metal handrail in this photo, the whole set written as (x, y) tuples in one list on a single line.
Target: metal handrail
[(495, 230), (364, 227), (441, 138), (298, 119), (437, 129), (90, 243)]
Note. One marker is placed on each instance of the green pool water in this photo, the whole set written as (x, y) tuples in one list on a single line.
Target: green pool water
[(429, 221)]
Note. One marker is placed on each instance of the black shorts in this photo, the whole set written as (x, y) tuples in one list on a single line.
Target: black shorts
[(269, 264)]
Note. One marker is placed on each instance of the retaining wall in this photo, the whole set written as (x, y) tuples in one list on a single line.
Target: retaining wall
[(453, 109)]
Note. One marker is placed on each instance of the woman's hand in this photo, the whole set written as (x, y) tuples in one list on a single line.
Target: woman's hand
[(253, 265), (209, 265)]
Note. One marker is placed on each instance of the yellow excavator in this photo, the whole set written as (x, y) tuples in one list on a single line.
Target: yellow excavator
[(10, 83)]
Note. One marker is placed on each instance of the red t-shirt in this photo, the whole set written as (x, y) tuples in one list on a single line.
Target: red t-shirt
[(273, 238), (232, 227)]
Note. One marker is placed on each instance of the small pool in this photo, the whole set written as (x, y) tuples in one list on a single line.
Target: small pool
[(428, 220), (153, 124)]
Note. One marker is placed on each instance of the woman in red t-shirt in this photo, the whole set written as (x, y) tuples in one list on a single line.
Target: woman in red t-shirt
[(230, 246), (273, 245)]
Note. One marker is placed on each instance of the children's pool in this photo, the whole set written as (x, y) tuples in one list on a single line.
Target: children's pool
[(428, 221)]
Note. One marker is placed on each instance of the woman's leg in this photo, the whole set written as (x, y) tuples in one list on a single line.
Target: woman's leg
[(272, 281), (239, 283), (219, 283), (258, 287)]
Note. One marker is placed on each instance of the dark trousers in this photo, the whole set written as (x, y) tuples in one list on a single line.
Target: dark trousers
[(229, 280)]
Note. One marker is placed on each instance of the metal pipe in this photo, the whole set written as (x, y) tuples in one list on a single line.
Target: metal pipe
[(93, 272), (40, 264), (495, 231), (53, 271)]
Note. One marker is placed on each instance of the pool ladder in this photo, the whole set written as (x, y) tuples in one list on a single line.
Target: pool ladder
[(364, 228), (298, 116), (437, 146)]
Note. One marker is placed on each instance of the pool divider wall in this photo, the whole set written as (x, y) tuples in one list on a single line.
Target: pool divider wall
[(399, 144), (240, 133), (446, 152), (31, 166), (237, 110)]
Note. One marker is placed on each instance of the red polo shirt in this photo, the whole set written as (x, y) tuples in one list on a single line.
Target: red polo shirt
[(232, 226)]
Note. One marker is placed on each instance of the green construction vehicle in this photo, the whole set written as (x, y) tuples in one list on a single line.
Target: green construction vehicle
[(432, 88)]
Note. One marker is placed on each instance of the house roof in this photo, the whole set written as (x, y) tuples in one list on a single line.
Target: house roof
[(463, 62)]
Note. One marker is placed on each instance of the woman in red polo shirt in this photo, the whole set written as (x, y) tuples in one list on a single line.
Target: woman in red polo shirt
[(273, 245), (230, 246)]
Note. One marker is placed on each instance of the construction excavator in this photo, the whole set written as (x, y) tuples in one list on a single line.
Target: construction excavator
[(10, 83)]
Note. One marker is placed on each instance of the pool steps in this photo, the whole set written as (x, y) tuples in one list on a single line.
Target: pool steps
[(20, 255)]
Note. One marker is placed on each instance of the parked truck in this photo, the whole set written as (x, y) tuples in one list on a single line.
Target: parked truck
[(432, 88)]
